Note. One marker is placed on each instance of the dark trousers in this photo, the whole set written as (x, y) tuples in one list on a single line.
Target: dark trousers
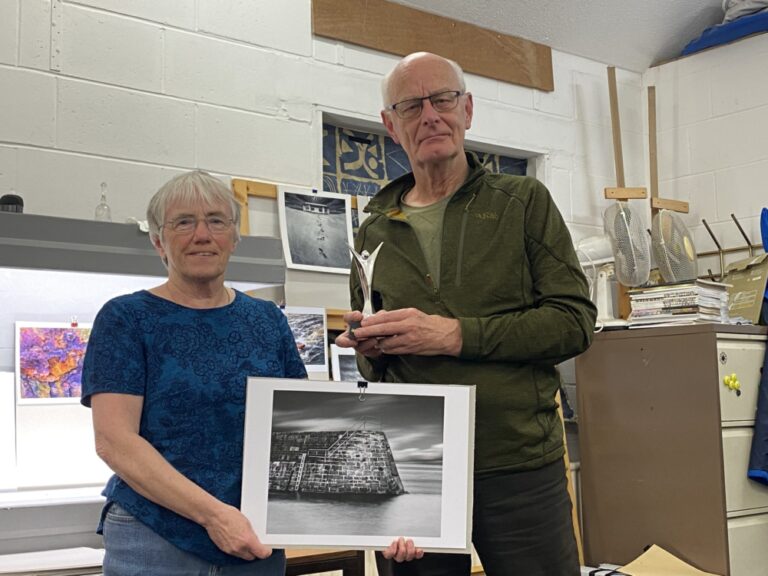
[(521, 527)]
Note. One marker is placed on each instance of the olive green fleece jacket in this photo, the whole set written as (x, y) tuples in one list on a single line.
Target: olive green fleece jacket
[(510, 275)]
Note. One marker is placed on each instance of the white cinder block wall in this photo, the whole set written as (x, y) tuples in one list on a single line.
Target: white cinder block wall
[(131, 93), (712, 121)]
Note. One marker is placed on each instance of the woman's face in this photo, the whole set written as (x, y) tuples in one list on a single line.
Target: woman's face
[(199, 254)]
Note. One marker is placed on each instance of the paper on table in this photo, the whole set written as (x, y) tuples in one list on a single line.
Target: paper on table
[(52, 561), (656, 560)]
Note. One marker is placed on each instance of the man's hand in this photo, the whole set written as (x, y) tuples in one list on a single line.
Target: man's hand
[(402, 550), (411, 331), (367, 346), (232, 533)]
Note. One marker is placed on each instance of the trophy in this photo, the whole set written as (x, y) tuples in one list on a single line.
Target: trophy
[(364, 265)]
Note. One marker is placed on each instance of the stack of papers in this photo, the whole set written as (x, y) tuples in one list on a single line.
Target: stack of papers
[(68, 562), (693, 302)]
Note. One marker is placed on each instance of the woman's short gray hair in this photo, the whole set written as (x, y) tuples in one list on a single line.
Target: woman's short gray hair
[(188, 188)]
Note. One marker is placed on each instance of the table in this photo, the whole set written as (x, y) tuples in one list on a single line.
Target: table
[(350, 562)]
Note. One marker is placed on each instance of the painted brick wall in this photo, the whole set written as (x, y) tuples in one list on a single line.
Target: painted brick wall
[(133, 92), (712, 111), (359, 462)]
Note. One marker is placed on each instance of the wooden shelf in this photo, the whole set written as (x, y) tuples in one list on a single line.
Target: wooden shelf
[(335, 319)]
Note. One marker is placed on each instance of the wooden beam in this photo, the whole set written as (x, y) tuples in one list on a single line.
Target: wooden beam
[(334, 318), (571, 487), (245, 188), (652, 155), (618, 156), (625, 193), (397, 29), (664, 204)]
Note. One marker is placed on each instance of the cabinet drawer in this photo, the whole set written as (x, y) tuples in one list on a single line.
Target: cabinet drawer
[(745, 359), (747, 537), (741, 493)]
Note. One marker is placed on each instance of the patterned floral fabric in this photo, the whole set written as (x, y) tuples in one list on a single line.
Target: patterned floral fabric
[(191, 367)]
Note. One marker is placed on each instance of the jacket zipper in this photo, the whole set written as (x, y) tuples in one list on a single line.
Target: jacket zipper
[(431, 282), (460, 256)]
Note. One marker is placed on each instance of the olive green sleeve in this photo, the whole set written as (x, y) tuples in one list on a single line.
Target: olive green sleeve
[(560, 321)]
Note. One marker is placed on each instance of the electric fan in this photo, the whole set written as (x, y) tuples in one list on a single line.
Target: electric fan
[(673, 247), (632, 255)]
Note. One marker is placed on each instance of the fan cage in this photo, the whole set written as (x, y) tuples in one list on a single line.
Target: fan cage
[(673, 247), (624, 226)]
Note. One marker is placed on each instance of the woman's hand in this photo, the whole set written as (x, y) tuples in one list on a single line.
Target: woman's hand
[(231, 531)]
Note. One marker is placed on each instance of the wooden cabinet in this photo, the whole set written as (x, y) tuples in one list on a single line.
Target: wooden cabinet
[(665, 445)]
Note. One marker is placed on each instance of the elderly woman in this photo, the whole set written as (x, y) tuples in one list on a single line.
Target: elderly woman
[(165, 375)]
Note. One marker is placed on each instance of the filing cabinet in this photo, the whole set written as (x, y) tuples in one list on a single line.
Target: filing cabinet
[(665, 446)]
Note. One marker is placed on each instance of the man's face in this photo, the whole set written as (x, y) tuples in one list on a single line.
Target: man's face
[(198, 255), (431, 137)]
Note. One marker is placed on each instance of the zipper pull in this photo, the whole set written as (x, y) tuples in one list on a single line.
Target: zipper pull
[(431, 283)]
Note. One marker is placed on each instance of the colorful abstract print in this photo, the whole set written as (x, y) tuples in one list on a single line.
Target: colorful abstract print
[(51, 361)]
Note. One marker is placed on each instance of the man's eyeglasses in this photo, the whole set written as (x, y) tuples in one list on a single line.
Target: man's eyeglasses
[(442, 102), (187, 224)]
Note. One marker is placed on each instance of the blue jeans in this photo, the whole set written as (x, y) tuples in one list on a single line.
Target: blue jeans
[(133, 549)]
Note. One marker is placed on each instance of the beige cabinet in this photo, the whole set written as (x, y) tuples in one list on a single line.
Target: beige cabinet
[(665, 445)]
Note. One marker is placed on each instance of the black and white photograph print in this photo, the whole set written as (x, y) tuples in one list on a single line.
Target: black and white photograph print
[(351, 467), (344, 365), (309, 330), (316, 229)]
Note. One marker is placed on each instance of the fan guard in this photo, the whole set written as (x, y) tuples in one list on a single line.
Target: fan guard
[(673, 247), (631, 252)]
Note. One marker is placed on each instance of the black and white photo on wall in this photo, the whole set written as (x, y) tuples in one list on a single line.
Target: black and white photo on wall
[(316, 229), (344, 365), (358, 467)]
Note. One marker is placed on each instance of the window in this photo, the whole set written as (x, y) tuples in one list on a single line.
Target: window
[(360, 163)]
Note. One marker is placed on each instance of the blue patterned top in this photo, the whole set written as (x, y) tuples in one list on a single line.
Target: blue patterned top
[(191, 366)]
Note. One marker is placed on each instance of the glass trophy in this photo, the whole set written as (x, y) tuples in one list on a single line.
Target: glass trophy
[(364, 263)]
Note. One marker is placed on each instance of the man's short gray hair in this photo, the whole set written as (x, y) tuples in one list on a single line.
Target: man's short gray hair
[(188, 188), (385, 82)]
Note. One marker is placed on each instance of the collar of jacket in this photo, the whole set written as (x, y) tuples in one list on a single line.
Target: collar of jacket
[(387, 200)]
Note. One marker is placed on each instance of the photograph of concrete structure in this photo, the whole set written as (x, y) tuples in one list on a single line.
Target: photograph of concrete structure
[(316, 228), (354, 468), (344, 365), (309, 330)]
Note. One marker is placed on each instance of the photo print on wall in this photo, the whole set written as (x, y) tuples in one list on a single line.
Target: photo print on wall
[(344, 365), (316, 229), (344, 468), (49, 361), (309, 330)]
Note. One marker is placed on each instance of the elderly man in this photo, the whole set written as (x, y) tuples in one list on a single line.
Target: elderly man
[(476, 283)]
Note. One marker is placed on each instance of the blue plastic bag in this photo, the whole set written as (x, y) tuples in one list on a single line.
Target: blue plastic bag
[(764, 228)]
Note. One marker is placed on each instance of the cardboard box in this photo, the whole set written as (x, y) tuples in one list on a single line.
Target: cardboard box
[(748, 280)]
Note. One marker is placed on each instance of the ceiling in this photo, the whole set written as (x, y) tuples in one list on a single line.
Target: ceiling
[(629, 34)]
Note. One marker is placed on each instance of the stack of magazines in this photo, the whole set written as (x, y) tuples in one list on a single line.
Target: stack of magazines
[(692, 302)]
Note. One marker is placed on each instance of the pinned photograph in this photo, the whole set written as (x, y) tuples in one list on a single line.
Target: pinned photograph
[(334, 464), (316, 228), (309, 330), (49, 361), (344, 365)]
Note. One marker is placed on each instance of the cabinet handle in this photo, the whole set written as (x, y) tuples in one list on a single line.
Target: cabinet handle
[(732, 383)]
